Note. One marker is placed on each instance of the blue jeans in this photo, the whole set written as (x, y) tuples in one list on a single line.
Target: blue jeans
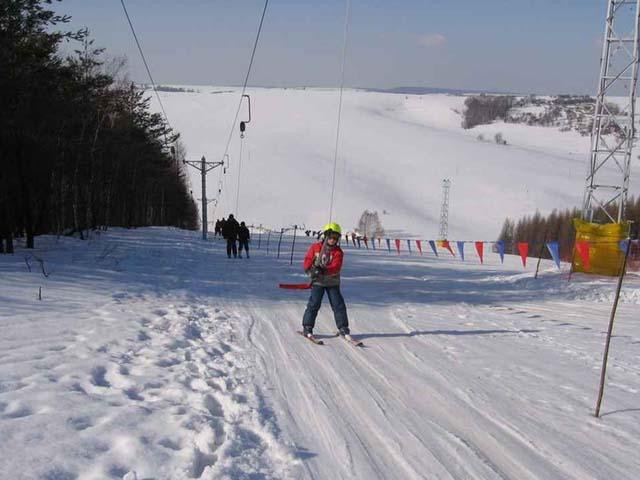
[(337, 305)]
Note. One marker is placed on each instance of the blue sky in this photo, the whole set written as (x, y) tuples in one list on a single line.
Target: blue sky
[(528, 46)]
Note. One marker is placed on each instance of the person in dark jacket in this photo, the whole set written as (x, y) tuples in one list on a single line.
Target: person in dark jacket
[(323, 263), (230, 234), (243, 239)]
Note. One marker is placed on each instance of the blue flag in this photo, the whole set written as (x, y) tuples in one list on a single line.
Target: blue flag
[(461, 249), (500, 245), (623, 245), (555, 252), (432, 244), (388, 244), (409, 246)]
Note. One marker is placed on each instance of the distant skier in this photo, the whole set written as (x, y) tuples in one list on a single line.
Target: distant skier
[(323, 263), (230, 234), (243, 239), (216, 230)]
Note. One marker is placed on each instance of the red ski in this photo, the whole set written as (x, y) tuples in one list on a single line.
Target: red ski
[(351, 340), (311, 338)]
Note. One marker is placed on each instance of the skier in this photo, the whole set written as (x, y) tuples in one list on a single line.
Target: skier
[(243, 239), (322, 263), (230, 234)]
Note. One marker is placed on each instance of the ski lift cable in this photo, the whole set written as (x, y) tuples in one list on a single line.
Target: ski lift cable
[(144, 60), (344, 56), (239, 170), (246, 78)]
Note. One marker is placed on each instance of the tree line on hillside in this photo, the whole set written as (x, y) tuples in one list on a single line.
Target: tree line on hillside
[(483, 109), (79, 148), (557, 226)]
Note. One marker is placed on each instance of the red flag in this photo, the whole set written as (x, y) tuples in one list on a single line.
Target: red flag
[(523, 248), (419, 245), (398, 245), (379, 240), (583, 250), (480, 250), (445, 244), (366, 242)]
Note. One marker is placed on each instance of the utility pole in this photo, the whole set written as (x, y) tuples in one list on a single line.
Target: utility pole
[(613, 132), (204, 167), (444, 209)]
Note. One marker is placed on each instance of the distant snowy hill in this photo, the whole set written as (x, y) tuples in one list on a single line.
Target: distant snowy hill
[(394, 152)]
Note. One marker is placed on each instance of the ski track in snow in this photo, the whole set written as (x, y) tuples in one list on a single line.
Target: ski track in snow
[(156, 383), (149, 354)]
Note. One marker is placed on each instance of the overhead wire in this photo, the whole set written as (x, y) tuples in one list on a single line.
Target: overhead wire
[(144, 60), (344, 56), (239, 170), (246, 80)]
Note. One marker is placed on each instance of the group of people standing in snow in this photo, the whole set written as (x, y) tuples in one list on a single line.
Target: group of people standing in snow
[(236, 234)]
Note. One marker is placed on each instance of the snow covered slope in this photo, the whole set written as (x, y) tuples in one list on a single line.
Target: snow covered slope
[(151, 355), (395, 150)]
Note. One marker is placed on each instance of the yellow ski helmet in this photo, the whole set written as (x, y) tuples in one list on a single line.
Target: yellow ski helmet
[(332, 227)]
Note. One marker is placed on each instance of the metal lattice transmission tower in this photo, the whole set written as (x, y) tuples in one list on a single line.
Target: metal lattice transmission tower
[(444, 209), (613, 133)]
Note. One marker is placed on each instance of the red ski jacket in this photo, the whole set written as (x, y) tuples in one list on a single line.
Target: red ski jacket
[(332, 264)]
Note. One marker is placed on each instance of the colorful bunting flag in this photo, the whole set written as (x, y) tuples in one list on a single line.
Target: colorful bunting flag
[(379, 240), (583, 250), (388, 244), (554, 250), (353, 239), (409, 246), (373, 243), (523, 248), (461, 249), (500, 245), (366, 242), (445, 244), (432, 244), (623, 245), (358, 239), (419, 245), (480, 250), (398, 245)]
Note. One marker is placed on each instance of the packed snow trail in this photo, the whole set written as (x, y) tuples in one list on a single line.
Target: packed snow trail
[(152, 352)]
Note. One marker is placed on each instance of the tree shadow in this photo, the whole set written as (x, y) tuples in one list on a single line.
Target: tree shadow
[(417, 333), (304, 454), (623, 410)]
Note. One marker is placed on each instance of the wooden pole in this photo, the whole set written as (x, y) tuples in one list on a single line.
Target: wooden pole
[(544, 242), (293, 244), (280, 241), (611, 319), (259, 236), (268, 240)]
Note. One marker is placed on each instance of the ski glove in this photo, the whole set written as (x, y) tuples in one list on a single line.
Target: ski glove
[(315, 272)]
